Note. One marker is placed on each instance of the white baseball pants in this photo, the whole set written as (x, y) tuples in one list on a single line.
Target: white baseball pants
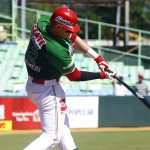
[(49, 98)]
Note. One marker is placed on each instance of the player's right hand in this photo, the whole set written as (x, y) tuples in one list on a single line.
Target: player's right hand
[(108, 74), (111, 74)]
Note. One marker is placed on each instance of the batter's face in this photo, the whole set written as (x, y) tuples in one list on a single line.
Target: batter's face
[(62, 32)]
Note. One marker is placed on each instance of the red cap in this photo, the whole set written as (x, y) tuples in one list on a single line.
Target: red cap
[(140, 75), (66, 18)]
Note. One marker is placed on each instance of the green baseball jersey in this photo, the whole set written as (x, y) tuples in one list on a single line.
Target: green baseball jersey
[(47, 57)]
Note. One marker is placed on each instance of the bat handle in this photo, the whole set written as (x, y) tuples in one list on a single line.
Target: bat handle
[(110, 71)]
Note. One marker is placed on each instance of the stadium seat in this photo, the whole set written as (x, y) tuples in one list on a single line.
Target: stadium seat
[(13, 71)]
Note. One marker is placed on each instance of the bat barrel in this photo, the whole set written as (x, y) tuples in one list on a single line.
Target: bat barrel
[(139, 96)]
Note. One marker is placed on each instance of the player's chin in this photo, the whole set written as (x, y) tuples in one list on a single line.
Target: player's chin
[(65, 36)]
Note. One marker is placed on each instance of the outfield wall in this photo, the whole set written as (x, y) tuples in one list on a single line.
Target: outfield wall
[(19, 113), (123, 111)]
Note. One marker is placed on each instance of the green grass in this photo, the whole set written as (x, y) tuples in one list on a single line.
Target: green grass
[(88, 141)]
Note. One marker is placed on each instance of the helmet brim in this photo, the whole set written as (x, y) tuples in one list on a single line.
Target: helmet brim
[(73, 29)]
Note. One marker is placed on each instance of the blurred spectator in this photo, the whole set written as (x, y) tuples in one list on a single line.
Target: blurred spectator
[(140, 86), (3, 35), (118, 88)]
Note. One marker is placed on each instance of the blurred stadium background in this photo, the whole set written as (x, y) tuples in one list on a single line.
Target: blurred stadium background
[(126, 49), (105, 26)]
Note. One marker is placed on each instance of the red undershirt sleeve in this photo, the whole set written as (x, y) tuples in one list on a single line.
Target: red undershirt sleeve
[(77, 75)]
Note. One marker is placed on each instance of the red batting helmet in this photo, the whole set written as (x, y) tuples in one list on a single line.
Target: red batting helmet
[(66, 18)]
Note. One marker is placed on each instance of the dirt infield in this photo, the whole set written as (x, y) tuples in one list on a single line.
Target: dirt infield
[(108, 129), (111, 129)]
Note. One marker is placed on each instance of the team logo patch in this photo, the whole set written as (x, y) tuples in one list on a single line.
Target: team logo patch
[(59, 19)]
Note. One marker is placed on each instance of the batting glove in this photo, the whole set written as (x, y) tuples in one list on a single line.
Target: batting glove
[(111, 74), (102, 63), (108, 74)]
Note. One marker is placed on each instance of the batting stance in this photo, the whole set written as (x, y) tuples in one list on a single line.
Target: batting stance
[(48, 57)]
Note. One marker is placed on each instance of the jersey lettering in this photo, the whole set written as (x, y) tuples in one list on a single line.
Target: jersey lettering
[(32, 54), (38, 37), (32, 66)]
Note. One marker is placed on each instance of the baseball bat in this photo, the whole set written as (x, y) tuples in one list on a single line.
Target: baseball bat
[(143, 99)]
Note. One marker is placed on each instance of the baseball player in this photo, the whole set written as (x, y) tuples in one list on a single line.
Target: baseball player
[(48, 57)]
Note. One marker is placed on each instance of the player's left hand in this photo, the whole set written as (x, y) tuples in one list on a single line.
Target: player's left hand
[(102, 63)]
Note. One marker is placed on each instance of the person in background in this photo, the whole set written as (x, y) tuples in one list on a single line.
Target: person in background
[(140, 86), (3, 35), (48, 57), (118, 88)]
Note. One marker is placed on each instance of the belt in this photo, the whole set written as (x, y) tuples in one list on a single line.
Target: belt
[(39, 81)]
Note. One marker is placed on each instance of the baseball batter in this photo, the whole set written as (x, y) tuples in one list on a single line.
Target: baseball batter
[(48, 57)]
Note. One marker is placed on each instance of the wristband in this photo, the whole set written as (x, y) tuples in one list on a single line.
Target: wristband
[(99, 59), (91, 53)]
